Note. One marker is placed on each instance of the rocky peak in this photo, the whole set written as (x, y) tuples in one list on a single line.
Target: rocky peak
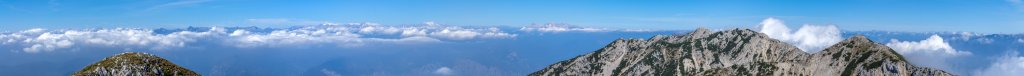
[(860, 44), (134, 64), (701, 31), (858, 39)]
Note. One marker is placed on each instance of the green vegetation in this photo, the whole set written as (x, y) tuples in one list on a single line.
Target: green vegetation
[(852, 65), (874, 65)]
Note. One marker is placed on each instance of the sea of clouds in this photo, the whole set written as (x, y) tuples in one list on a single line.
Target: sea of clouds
[(326, 49), (437, 49)]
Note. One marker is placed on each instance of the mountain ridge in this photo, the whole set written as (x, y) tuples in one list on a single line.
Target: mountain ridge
[(735, 52)]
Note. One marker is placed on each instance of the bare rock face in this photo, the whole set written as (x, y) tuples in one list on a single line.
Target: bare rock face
[(735, 52), (134, 64)]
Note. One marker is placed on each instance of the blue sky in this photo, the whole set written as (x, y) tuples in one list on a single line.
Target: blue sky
[(985, 16)]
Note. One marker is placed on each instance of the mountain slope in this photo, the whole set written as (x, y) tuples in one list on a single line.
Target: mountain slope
[(134, 64), (734, 52)]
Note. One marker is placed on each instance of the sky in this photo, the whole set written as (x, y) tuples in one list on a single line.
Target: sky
[(984, 16), (477, 38)]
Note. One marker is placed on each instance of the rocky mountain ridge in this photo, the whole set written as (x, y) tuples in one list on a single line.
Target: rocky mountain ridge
[(134, 64), (735, 52)]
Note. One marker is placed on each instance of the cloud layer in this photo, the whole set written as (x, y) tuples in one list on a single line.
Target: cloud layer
[(354, 34), (39, 40), (932, 52), (808, 38), (1008, 65), (933, 44), (556, 27)]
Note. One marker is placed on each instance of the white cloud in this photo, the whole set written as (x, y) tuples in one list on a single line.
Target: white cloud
[(37, 40), (435, 30), (932, 52), (352, 35), (1008, 65), (455, 34), (329, 72), (553, 27), (41, 40), (430, 23), (416, 39), (34, 30), (443, 71), (468, 34), (808, 38), (288, 38), (932, 44), (413, 32)]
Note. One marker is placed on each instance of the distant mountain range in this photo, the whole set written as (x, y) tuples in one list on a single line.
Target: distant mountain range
[(134, 64), (735, 52)]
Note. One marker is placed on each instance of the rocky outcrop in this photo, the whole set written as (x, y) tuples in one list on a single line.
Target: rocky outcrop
[(734, 52), (134, 64)]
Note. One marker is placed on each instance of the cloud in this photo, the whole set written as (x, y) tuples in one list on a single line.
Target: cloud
[(932, 52), (329, 72), (469, 34), (443, 71), (430, 23), (350, 35), (932, 44), (1008, 65), (288, 38), (36, 40), (808, 38), (34, 30), (435, 30), (555, 27)]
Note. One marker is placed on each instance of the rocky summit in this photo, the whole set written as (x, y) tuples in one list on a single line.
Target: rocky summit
[(134, 64), (741, 52)]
